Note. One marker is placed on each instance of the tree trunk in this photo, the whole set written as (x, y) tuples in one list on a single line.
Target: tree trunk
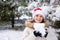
[(12, 21)]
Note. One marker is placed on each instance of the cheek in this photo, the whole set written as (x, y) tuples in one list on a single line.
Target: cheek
[(38, 19), (35, 18), (41, 19)]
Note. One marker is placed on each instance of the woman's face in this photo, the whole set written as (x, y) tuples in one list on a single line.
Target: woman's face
[(38, 18)]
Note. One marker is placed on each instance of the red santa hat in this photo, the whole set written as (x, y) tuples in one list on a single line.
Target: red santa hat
[(38, 11)]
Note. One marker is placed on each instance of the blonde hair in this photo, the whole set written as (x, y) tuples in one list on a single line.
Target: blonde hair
[(30, 23)]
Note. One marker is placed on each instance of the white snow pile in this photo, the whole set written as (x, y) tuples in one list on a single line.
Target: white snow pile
[(57, 14), (52, 1), (32, 5), (20, 8), (17, 35), (10, 35), (46, 9), (24, 16), (52, 35)]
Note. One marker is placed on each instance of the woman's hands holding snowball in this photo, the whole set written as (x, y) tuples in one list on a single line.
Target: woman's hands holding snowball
[(40, 30)]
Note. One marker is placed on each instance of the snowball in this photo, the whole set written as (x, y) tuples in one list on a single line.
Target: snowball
[(40, 27)]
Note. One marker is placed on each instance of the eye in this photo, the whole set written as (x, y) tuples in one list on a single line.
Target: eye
[(36, 15), (40, 16)]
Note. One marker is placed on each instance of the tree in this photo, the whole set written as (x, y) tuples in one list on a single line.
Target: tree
[(7, 11), (57, 24)]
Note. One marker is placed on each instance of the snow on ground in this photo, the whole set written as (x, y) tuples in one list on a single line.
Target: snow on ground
[(17, 34), (10, 35)]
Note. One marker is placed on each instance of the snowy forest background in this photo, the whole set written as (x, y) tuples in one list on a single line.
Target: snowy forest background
[(14, 13)]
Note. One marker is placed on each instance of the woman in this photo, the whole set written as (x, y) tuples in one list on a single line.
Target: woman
[(29, 32)]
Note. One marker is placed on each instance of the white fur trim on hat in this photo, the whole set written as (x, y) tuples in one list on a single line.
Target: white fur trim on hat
[(38, 11)]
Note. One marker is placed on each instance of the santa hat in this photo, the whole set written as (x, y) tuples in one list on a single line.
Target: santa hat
[(38, 11)]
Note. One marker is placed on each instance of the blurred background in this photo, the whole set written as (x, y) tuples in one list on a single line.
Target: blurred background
[(14, 13)]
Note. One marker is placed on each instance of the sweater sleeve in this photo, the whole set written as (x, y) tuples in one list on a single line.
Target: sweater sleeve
[(27, 35)]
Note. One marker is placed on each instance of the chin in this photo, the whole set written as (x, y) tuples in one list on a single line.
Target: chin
[(38, 22)]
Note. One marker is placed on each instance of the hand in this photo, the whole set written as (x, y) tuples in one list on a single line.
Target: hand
[(46, 34), (37, 34)]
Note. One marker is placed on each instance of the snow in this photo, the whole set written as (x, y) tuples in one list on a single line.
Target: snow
[(17, 34), (57, 11), (57, 30), (16, 18), (56, 15), (24, 16), (40, 27), (20, 8), (32, 5), (51, 2), (10, 35), (46, 9), (4, 0)]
